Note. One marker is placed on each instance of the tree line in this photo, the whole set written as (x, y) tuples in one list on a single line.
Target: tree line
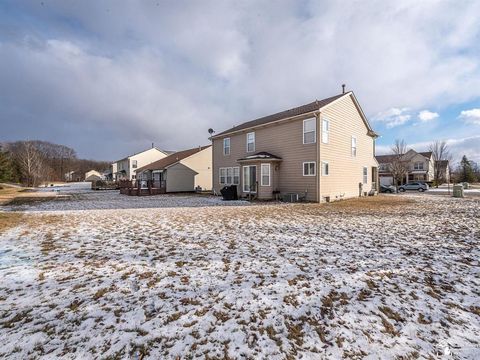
[(35, 162)]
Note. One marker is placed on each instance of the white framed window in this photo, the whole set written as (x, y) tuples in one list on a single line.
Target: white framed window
[(250, 179), (418, 166), (134, 164), (229, 175), (236, 175), (309, 168), (251, 142), (325, 131), (325, 168), (354, 146), (223, 176), (365, 174), (265, 171), (226, 146), (309, 131)]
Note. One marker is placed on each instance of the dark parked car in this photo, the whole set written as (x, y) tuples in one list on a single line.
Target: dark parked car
[(387, 189), (414, 186)]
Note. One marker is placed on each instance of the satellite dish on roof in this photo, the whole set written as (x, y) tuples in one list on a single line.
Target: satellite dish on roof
[(211, 131)]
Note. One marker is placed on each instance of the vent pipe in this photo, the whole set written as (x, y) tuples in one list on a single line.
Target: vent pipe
[(343, 88)]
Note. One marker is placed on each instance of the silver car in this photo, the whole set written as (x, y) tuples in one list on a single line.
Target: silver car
[(413, 186)]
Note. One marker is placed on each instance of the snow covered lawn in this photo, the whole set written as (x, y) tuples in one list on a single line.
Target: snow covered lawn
[(385, 277)]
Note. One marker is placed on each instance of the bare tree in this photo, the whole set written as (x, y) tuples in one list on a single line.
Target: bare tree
[(440, 153), (30, 162), (398, 166)]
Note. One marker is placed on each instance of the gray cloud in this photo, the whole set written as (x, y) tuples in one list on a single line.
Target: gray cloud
[(109, 78)]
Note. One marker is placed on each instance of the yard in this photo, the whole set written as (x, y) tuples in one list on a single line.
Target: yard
[(105, 276)]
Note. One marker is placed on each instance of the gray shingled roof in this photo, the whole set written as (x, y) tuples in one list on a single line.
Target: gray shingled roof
[(171, 159), (315, 105)]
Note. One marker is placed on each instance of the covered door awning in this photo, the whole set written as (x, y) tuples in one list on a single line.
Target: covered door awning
[(260, 156)]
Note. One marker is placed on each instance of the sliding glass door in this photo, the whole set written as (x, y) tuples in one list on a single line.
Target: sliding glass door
[(250, 178)]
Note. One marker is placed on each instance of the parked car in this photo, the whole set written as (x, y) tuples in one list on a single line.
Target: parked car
[(414, 186), (387, 189)]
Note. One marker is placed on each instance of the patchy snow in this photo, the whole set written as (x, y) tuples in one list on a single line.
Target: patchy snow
[(86, 199), (354, 279)]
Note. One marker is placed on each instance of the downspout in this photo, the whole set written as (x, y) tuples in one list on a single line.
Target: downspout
[(318, 157)]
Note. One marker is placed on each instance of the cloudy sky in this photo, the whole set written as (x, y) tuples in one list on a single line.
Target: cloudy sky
[(108, 78)]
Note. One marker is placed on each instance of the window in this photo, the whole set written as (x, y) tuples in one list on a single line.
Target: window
[(265, 174), (309, 131), (250, 178), (365, 174), (134, 164), (223, 176), (229, 176), (236, 175), (418, 166), (226, 146), (251, 142), (354, 146), (325, 168), (383, 167), (309, 168), (325, 130)]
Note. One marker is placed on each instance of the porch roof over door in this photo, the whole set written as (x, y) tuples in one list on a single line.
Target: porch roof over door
[(260, 156)]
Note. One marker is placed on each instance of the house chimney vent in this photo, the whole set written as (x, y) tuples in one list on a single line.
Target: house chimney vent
[(343, 88)]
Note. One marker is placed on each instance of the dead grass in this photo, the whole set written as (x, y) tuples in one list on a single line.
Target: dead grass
[(9, 220), (22, 195), (371, 203)]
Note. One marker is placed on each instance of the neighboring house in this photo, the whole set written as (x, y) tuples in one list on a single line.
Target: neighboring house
[(126, 167), (420, 167), (182, 171), (322, 151), (93, 175), (72, 176)]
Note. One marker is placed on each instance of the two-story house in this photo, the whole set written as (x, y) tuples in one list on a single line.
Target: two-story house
[(322, 151), (124, 169), (419, 166)]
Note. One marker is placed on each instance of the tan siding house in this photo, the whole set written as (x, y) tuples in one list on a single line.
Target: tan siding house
[(182, 171), (285, 153)]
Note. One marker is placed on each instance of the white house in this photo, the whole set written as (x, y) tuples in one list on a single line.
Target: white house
[(124, 169), (93, 175), (182, 171)]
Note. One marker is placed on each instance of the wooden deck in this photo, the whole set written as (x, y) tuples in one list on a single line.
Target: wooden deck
[(142, 187)]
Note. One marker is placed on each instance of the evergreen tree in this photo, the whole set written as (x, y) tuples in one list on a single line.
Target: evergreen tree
[(466, 170), (6, 167)]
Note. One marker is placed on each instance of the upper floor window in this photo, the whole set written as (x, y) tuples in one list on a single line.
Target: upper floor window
[(365, 174), (134, 164), (354, 146), (383, 167), (325, 130), (418, 166), (251, 142), (226, 146), (309, 168), (309, 131)]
